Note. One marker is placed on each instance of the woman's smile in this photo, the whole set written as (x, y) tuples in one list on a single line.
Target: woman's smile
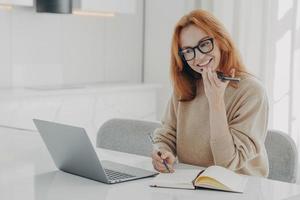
[(205, 63)]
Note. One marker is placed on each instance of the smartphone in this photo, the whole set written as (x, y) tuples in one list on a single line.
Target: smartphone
[(222, 77)]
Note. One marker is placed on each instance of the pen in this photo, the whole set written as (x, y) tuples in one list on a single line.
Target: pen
[(159, 154)]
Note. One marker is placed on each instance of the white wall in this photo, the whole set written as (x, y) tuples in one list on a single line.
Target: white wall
[(50, 49), (161, 17), (246, 21), (5, 54)]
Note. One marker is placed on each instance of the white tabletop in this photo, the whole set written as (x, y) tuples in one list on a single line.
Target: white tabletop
[(27, 172)]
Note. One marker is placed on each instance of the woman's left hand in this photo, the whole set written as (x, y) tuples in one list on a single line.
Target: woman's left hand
[(214, 88)]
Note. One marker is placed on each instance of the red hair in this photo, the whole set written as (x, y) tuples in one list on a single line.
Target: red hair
[(185, 86)]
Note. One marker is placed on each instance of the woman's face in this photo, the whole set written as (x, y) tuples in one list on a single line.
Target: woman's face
[(192, 37)]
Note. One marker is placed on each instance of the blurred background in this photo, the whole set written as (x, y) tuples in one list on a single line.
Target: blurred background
[(110, 58)]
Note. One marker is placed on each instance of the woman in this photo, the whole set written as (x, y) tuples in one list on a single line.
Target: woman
[(209, 121)]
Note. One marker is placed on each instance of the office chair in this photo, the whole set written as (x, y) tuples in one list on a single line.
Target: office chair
[(282, 155), (127, 135), (131, 136)]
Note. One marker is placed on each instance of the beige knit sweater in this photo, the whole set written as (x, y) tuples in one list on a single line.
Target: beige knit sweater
[(186, 130)]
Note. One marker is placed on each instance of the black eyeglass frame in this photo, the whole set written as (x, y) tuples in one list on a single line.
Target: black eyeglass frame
[(181, 54)]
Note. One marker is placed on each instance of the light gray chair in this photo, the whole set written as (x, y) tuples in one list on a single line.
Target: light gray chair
[(131, 136), (127, 135), (282, 155)]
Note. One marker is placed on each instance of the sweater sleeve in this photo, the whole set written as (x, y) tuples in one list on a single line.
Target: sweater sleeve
[(244, 151), (165, 137)]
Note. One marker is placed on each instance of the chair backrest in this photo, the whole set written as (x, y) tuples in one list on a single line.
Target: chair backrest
[(282, 155), (127, 135)]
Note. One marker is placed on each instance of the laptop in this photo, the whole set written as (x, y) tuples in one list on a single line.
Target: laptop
[(72, 152)]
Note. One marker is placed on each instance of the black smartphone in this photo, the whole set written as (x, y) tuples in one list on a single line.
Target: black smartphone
[(222, 77)]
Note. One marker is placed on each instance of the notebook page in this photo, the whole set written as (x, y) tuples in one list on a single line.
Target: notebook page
[(181, 178), (234, 181)]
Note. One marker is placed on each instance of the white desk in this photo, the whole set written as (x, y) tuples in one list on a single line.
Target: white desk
[(27, 172)]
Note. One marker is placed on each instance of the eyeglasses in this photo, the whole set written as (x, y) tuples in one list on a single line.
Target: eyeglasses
[(204, 46)]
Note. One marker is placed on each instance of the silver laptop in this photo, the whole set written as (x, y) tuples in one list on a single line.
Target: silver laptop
[(72, 152)]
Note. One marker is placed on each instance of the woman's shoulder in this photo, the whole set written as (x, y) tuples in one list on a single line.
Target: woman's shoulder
[(250, 86), (174, 99), (251, 83)]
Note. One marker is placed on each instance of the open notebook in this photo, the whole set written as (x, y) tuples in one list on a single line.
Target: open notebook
[(213, 177)]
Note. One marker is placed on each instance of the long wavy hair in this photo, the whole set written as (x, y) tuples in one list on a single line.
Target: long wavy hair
[(185, 86)]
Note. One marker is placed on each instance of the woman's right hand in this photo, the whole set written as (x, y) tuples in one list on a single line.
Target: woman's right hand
[(157, 160)]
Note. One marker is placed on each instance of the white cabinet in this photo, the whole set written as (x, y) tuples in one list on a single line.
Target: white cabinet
[(114, 6), (86, 107), (17, 2)]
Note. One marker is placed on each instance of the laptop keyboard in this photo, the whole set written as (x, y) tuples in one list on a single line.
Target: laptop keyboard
[(115, 175)]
